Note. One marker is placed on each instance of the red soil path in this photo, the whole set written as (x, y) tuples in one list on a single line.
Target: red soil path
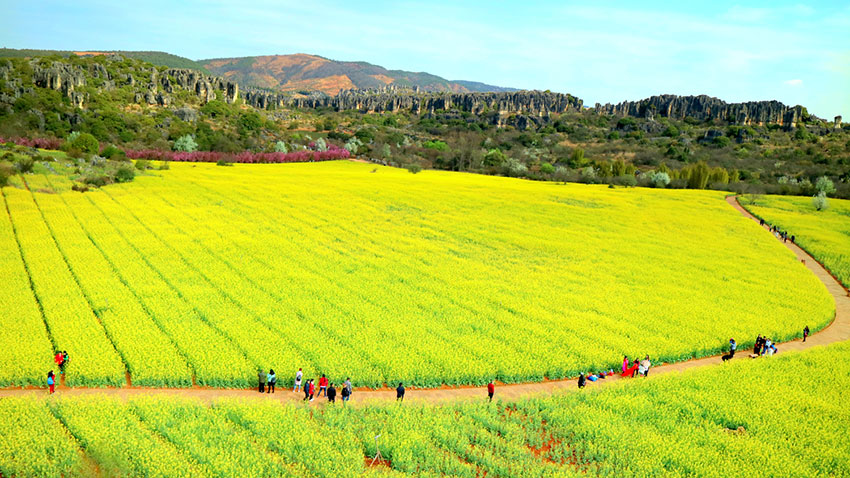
[(837, 331)]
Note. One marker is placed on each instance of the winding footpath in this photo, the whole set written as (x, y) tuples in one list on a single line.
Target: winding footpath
[(837, 331)]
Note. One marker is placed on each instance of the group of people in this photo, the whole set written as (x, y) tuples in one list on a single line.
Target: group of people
[(764, 346), (780, 234), (267, 382), (629, 369), (61, 360)]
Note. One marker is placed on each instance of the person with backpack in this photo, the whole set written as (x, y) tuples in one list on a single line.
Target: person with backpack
[(272, 380), (51, 382), (323, 385), (331, 393), (805, 333), (399, 393), (491, 389), (261, 377), (346, 390), (298, 375)]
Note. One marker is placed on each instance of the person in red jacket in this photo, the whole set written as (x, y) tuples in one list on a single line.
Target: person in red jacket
[(312, 389), (323, 385), (59, 358), (491, 389)]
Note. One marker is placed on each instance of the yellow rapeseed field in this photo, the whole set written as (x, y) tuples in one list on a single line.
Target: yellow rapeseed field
[(206, 273)]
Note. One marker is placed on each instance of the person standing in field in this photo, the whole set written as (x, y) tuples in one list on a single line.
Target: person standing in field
[(625, 363), (805, 332), (491, 389), (312, 389), (51, 382), (261, 377), (272, 381), (331, 393), (64, 363), (644, 365), (399, 393), (323, 385), (346, 390), (582, 380), (298, 376), (757, 346), (307, 389)]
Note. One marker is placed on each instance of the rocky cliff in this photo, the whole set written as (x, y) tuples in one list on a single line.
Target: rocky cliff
[(707, 108), (537, 104)]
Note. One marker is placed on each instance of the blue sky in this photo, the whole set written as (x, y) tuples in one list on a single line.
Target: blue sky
[(600, 51)]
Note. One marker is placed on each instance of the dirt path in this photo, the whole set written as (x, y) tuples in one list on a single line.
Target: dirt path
[(838, 330)]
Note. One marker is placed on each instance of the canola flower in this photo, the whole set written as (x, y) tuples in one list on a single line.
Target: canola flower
[(824, 234), (766, 417), (208, 273)]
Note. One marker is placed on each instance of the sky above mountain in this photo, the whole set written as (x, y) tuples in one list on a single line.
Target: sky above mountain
[(599, 51)]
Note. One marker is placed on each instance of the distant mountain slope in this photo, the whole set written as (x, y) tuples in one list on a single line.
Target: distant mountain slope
[(311, 72), (158, 58)]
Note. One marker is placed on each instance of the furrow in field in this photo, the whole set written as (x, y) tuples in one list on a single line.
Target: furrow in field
[(72, 323), (151, 356), (27, 347)]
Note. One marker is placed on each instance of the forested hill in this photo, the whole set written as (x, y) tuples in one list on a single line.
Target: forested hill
[(158, 58)]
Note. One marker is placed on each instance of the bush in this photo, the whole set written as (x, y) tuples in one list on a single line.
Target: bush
[(413, 167), (825, 186), (659, 179), (547, 168), (435, 144), (124, 174), (142, 164), (25, 165), (186, 144), (820, 202), (280, 147), (80, 187), (84, 142), (96, 180), (494, 157), (588, 175), (114, 153), (626, 180), (6, 172), (224, 162), (163, 165)]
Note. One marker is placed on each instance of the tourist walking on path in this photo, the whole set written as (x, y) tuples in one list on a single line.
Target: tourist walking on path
[(346, 390), (323, 385), (581, 380), (307, 390), (491, 389), (298, 375), (312, 388), (757, 345), (272, 381), (805, 333), (51, 382), (261, 377), (331, 394), (399, 393)]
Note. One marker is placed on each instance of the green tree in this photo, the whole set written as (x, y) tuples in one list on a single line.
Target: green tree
[(547, 168), (494, 157), (84, 142), (186, 144), (824, 185), (280, 147), (698, 175)]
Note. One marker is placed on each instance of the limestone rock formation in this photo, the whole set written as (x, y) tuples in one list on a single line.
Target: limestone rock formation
[(707, 108)]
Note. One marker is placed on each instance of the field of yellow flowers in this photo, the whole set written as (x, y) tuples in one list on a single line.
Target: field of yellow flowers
[(774, 416), (824, 234), (204, 273)]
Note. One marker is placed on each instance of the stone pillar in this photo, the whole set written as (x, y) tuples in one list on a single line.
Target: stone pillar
[(838, 122)]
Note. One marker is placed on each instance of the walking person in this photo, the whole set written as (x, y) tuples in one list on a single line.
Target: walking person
[(491, 389), (51, 382), (312, 387), (323, 385), (331, 393), (272, 380), (261, 377), (757, 345), (399, 393), (582, 380), (298, 375), (346, 390), (307, 390), (805, 333)]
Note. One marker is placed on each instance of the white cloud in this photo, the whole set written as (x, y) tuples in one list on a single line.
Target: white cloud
[(794, 82)]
